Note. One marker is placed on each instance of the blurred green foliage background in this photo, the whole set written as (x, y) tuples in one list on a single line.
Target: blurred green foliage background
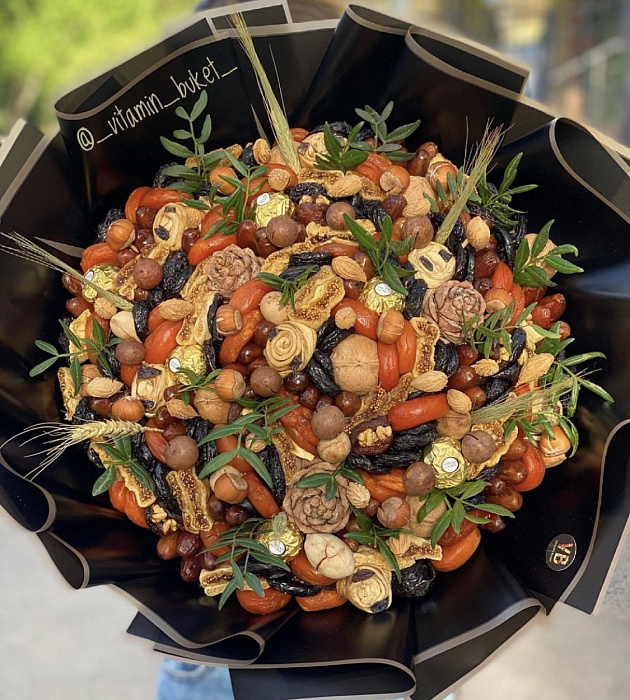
[(48, 46)]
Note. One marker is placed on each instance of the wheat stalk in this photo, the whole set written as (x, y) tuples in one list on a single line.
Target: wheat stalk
[(61, 436), (482, 159), (521, 405), (278, 120), (28, 250)]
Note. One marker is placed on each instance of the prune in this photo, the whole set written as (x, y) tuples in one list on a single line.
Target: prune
[(111, 216), (156, 296), (510, 372), (310, 259), (146, 372), (416, 580), (271, 460), (112, 362), (409, 280), (337, 128), (140, 313), (247, 157), (162, 180), (446, 358), (92, 455), (396, 460), (294, 271), (163, 492), (176, 273), (141, 452), (496, 389), (286, 582), (520, 231), (414, 438), (303, 189), (355, 461), (211, 317), (83, 413), (518, 341), (319, 369), (374, 212), (487, 473), (332, 338), (249, 507), (505, 245), (470, 265), (455, 237), (415, 297), (210, 355), (197, 429)]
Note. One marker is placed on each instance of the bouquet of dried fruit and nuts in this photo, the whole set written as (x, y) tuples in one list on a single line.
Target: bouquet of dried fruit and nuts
[(319, 369)]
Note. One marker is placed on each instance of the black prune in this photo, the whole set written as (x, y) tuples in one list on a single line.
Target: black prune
[(505, 245), (337, 128), (446, 358), (249, 507), (496, 389), (163, 180), (92, 455), (488, 473), (414, 438), (518, 341), (247, 157), (294, 271), (510, 372), (271, 459), (163, 492), (305, 189), (112, 362), (83, 413), (140, 314), (292, 585), (355, 461), (520, 231), (210, 355), (416, 580), (328, 342), (396, 460), (176, 272), (141, 452), (211, 317), (374, 211), (413, 303), (310, 259), (156, 296)]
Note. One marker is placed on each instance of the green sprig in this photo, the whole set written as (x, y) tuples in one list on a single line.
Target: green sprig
[(119, 455), (385, 142), (329, 480), (340, 157), (288, 288)]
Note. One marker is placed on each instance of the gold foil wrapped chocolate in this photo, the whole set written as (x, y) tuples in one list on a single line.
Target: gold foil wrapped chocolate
[(186, 357), (451, 468), (280, 537), (103, 276), (379, 296), (270, 205)]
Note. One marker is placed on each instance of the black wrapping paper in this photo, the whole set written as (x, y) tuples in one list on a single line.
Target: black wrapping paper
[(418, 648)]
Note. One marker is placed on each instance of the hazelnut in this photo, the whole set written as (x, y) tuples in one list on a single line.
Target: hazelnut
[(282, 231), (478, 446), (454, 425), (419, 479), (229, 385), (130, 352), (556, 446), (335, 214), (390, 326), (329, 555), (147, 273), (128, 408), (420, 229), (394, 512), (271, 309), (181, 453), (327, 422), (228, 320), (265, 381), (120, 234), (497, 299), (335, 450), (228, 485)]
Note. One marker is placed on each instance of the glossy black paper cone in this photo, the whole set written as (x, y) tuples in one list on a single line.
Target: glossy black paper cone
[(58, 191)]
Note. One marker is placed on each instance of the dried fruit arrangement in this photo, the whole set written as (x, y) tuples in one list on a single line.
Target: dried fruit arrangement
[(318, 370)]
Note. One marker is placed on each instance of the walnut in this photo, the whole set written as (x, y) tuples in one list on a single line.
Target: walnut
[(229, 269), (355, 364), (452, 305)]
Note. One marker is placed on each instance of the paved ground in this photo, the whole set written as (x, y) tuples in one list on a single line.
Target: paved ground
[(61, 644)]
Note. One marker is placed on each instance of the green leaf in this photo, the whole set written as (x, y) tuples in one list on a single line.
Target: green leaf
[(510, 173), (182, 134), (236, 164), (496, 509), (360, 537), (473, 488), (217, 462), (104, 481), (182, 113), (333, 146), (403, 132), (75, 373), (584, 357), (254, 583), (434, 499), (46, 347), (573, 399), (440, 526), (366, 240), (389, 557), (141, 474), (331, 490), (541, 240), (238, 575), (522, 189), (43, 366), (458, 515), (69, 334), (399, 156), (564, 249), (98, 333), (476, 519), (176, 149), (353, 158), (387, 111), (389, 274), (563, 266), (313, 481), (229, 589), (206, 130), (270, 559), (597, 390), (260, 469), (199, 106), (351, 474), (522, 255)]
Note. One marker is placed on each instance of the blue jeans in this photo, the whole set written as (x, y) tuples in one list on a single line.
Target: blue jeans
[(182, 681)]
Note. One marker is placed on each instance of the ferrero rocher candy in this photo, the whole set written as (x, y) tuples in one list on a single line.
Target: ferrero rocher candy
[(270, 205), (451, 468), (186, 357), (283, 539), (103, 276), (379, 296)]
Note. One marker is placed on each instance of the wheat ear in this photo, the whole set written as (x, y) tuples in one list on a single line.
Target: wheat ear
[(61, 436), (28, 250)]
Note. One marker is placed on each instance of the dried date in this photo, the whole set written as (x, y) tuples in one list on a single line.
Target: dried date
[(372, 437)]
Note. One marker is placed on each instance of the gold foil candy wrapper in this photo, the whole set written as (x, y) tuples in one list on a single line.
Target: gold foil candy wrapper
[(270, 205), (186, 357), (102, 275), (450, 466), (285, 542), (379, 296)]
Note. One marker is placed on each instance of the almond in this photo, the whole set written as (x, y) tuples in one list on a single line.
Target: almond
[(458, 401), (175, 309), (430, 381)]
